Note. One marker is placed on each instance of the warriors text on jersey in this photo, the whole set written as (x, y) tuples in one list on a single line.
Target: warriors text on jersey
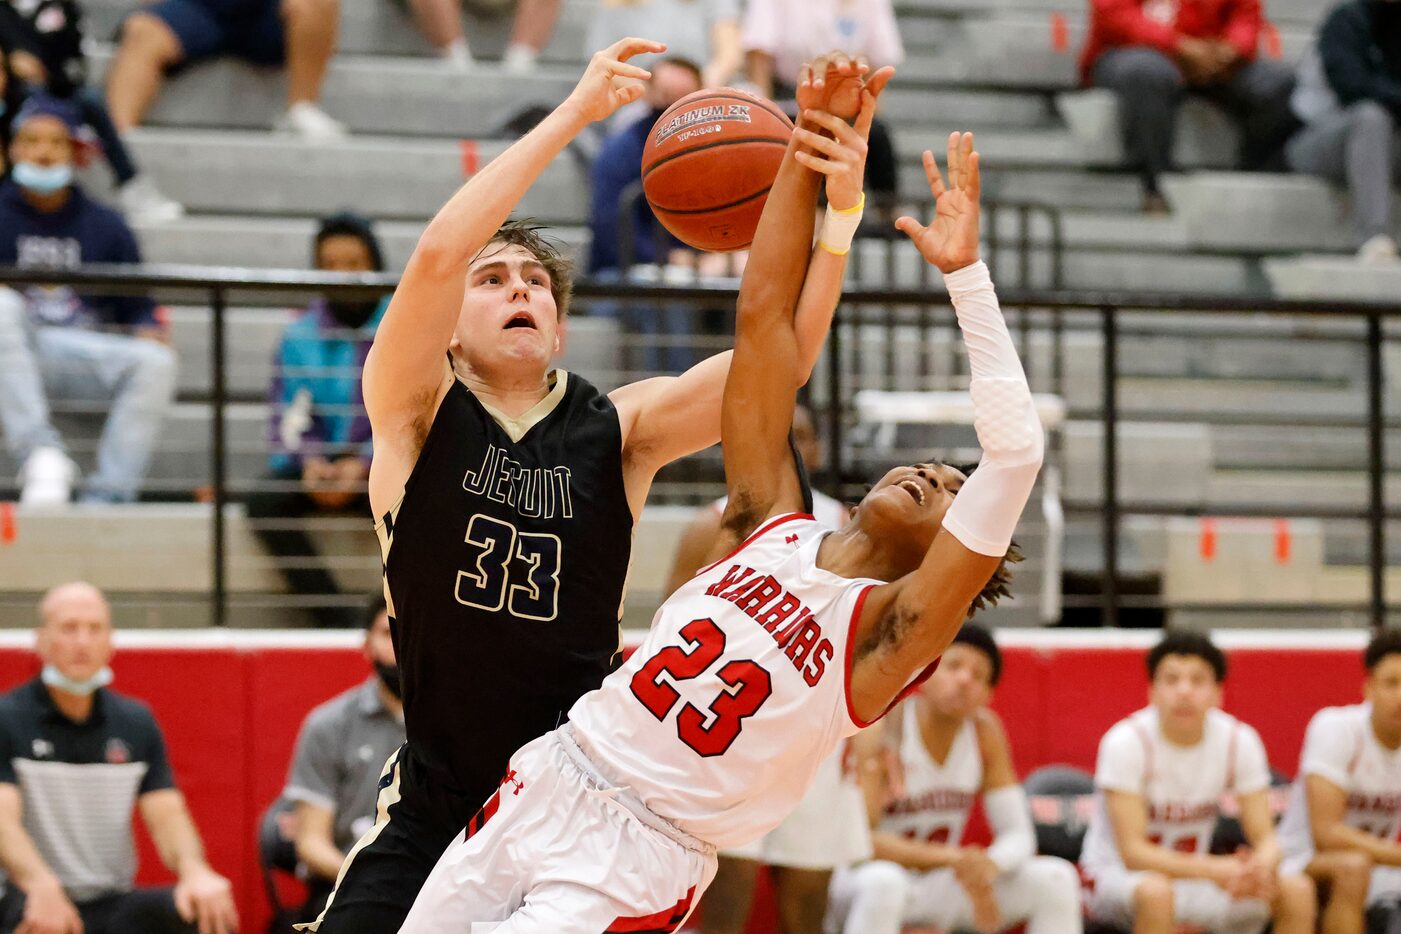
[(1341, 747), (938, 797), (1181, 785), (505, 563), (720, 719)]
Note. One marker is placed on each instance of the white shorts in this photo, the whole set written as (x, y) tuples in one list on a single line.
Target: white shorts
[(1195, 901), (1044, 890), (827, 829), (558, 850)]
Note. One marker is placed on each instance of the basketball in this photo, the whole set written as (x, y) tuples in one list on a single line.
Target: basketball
[(708, 165)]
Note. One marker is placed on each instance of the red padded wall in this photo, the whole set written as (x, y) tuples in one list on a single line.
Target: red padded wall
[(230, 705)]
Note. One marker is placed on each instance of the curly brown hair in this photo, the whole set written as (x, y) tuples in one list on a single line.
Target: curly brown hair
[(526, 234), (999, 585)]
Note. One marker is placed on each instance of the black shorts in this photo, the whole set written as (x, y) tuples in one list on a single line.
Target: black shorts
[(385, 870), (256, 35)]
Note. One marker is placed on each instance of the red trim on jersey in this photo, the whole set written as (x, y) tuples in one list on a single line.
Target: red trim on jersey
[(663, 922), (479, 819), (771, 524), (850, 660)]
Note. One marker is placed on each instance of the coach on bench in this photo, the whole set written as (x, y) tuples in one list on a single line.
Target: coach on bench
[(74, 757)]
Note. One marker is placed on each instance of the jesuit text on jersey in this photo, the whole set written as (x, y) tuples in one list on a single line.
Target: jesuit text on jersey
[(534, 492)]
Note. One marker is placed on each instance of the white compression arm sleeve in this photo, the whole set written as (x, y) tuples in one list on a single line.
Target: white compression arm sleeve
[(1014, 838), (984, 514)]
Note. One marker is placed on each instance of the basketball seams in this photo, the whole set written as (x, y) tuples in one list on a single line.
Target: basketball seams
[(683, 212), (672, 157)]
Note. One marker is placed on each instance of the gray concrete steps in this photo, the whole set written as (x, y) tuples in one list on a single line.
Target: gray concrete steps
[(1301, 12), (1315, 276), (1286, 489), (1252, 399), (1285, 448), (215, 172)]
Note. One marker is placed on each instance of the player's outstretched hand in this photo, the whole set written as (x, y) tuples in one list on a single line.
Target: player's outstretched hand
[(832, 82), (609, 82), (841, 157), (950, 242)]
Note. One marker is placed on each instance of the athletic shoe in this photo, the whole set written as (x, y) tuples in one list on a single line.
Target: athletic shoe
[(48, 477), (143, 203), (311, 123), (1379, 251), (519, 59)]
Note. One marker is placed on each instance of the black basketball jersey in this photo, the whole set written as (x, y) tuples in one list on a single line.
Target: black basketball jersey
[(505, 564)]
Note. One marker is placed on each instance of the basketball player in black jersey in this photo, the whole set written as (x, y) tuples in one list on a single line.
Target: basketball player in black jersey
[(505, 494)]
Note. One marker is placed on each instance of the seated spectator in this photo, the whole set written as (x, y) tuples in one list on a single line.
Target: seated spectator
[(1153, 52), (1344, 815), (780, 35), (440, 21), (169, 34), (57, 344), (74, 759), (1349, 97), (624, 244), (318, 432), (695, 30), (953, 751), (341, 751), (44, 42), (1159, 777)]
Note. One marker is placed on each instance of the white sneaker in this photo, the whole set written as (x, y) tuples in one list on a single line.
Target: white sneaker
[(143, 203), (456, 56), (311, 123), (519, 59), (1380, 250), (48, 477)]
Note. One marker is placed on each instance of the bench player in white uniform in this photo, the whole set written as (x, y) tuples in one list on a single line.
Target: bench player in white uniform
[(1344, 815), (953, 749), (1160, 776), (828, 828), (759, 667)]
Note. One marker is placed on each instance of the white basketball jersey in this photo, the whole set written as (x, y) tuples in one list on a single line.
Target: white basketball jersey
[(1182, 785), (721, 718), (938, 798), (1341, 747)]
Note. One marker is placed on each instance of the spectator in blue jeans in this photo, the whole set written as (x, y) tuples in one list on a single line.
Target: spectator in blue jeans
[(627, 241), (43, 40), (57, 344), (318, 431), (167, 35), (1349, 97)]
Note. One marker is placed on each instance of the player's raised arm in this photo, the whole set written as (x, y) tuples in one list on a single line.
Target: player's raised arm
[(406, 366), (669, 417), (907, 624)]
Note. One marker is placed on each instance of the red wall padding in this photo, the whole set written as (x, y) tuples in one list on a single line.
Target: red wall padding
[(231, 714)]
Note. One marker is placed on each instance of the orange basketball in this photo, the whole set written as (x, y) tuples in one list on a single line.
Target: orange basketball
[(709, 163)]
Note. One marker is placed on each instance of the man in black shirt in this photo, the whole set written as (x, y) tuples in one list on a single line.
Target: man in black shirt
[(1349, 97), (74, 758)]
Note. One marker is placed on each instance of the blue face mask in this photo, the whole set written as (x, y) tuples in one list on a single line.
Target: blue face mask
[(54, 678), (42, 180)]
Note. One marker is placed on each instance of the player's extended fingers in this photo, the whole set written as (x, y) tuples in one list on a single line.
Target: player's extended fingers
[(910, 227), (965, 152), (954, 165), (931, 171), (841, 130), (877, 82), (818, 68), (819, 164), (805, 75), (626, 48), (629, 93), (821, 143), (974, 185), (865, 116), (621, 69)]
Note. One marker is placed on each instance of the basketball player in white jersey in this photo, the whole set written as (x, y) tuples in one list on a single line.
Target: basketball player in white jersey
[(1344, 815), (757, 668), (828, 827), (952, 750), (1160, 777)]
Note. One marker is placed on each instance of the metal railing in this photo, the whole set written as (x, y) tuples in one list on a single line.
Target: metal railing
[(1098, 312)]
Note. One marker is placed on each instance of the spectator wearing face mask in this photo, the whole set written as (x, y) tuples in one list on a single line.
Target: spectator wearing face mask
[(61, 345), (76, 758), (340, 753), (318, 432)]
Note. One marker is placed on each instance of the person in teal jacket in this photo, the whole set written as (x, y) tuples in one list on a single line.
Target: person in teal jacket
[(318, 433)]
